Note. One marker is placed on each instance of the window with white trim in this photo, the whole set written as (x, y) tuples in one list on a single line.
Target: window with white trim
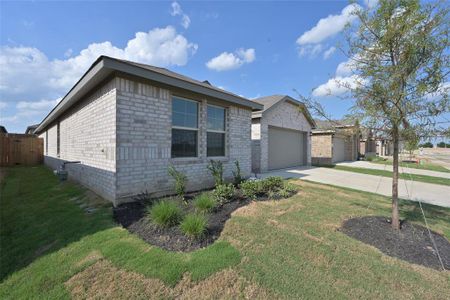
[(184, 128), (215, 136)]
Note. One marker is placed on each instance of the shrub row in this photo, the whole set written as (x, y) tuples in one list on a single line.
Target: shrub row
[(272, 187), (166, 213)]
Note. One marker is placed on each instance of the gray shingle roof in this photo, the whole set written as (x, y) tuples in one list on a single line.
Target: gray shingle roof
[(331, 124), (269, 101)]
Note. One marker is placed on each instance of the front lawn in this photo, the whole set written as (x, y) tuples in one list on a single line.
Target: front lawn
[(58, 241), (384, 173), (424, 165)]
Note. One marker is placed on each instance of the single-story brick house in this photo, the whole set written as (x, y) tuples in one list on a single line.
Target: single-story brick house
[(334, 141), (367, 143), (281, 134), (127, 122)]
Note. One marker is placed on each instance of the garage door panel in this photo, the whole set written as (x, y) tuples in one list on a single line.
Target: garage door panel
[(286, 148), (338, 149)]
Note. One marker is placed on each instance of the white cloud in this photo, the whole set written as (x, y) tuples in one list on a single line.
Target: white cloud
[(444, 89), (177, 11), (310, 50), (230, 61), (3, 105), (336, 86), (28, 73), (29, 112), (37, 105), (344, 68), (329, 26), (328, 53), (310, 42)]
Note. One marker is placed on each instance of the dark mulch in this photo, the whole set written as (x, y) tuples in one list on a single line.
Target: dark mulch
[(412, 243), (132, 216)]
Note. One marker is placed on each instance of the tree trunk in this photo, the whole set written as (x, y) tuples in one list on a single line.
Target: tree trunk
[(395, 218)]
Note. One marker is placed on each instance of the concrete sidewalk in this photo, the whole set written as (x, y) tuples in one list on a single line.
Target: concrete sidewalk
[(369, 165), (425, 192)]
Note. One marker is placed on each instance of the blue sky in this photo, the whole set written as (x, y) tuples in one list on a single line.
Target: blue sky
[(250, 48)]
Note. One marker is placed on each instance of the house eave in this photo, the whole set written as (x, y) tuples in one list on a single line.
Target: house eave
[(105, 66)]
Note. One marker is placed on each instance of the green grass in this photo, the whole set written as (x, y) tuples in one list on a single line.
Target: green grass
[(291, 248), (384, 173), (45, 238), (423, 166)]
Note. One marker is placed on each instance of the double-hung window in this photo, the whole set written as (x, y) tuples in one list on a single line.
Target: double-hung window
[(184, 128), (215, 138)]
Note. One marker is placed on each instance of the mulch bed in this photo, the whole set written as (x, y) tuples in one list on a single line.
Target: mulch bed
[(132, 217), (412, 243)]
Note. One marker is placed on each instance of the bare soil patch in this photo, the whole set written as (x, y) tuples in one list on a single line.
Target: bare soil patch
[(132, 217), (412, 243), (102, 280)]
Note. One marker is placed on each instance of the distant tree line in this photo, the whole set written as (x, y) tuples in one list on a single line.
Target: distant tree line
[(430, 145)]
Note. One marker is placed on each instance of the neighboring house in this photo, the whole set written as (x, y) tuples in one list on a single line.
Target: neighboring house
[(280, 134), (3, 129), (367, 143), (334, 141), (384, 147), (30, 129), (127, 122)]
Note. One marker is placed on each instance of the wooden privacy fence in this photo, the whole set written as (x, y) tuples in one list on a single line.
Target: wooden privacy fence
[(20, 149)]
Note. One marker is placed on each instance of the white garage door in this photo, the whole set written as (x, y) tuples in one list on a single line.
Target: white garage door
[(286, 148), (338, 149)]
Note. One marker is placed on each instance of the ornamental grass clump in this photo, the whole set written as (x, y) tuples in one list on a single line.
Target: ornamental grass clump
[(194, 225), (205, 202), (165, 213)]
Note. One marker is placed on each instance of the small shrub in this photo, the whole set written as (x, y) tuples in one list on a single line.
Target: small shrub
[(288, 190), (273, 183), (224, 192), (205, 202), (194, 225), (237, 177), (270, 187), (283, 193), (216, 169), (165, 213), (180, 181), (251, 188), (290, 187)]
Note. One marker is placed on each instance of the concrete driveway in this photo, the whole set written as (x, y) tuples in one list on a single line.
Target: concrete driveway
[(369, 165), (425, 192)]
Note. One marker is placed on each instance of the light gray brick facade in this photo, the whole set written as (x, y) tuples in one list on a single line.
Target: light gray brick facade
[(122, 135), (283, 115), (144, 120)]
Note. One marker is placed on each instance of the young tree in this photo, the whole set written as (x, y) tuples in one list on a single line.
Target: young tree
[(411, 141), (398, 57)]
